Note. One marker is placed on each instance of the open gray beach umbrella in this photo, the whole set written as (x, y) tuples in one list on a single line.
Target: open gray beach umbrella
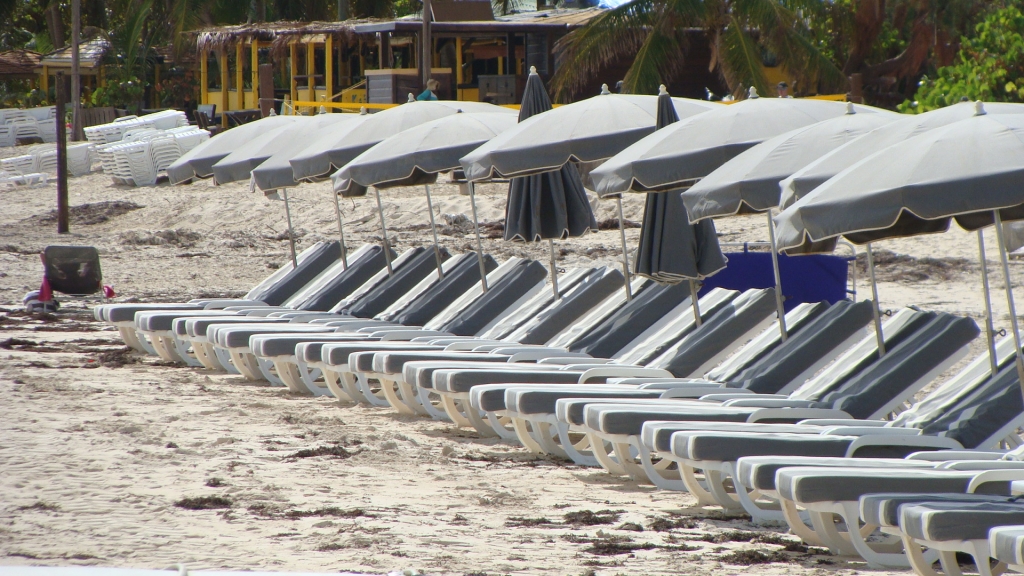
[(828, 165), (549, 205), (417, 155), (389, 122), (586, 131), (314, 162), (276, 172), (198, 162), (671, 249), (246, 157), (693, 148), (749, 183), (971, 170)]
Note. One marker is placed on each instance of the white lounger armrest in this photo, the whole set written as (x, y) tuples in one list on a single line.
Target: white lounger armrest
[(981, 465), (956, 455), (540, 354), (843, 419), (755, 401), (221, 304), (578, 366), (573, 362), (459, 343), (869, 430), (617, 371), (512, 349), (982, 478), (682, 390), (724, 397), (405, 335)]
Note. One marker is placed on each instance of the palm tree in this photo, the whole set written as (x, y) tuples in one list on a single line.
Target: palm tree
[(740, 33)]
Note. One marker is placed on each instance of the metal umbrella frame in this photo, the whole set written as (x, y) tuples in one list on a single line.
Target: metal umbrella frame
[(418, 155), (968, 171), (749, 182)]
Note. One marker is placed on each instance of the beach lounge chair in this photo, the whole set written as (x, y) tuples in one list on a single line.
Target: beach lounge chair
[(1006, 545), (605, 329), (816, 333), (272, 291), (960, 414)]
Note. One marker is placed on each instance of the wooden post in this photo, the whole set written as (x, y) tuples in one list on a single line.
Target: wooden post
[(458, 67), (156, 80), (266, 89), (225, 82), (425, 44), (239, 79), (77, 133), (62, 160), (46, 81), (310, 71), (204, 78), (329, 67), (293, 62), (254, 70), (857, 88), (510, 52)]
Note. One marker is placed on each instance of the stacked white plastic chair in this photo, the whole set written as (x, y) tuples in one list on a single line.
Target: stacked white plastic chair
[(31, 123)]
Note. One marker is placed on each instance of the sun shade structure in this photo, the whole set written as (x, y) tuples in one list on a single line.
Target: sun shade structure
[(971, 170), (749, 182), (814, 174), (549, 205), (693, 148), (316, 161), (586, 131), (245, 158), (417, 155), (276, 171), (671, 249), (198, 162), (394, 120)]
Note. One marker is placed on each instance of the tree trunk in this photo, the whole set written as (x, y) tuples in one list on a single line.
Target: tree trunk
[(55, 24)]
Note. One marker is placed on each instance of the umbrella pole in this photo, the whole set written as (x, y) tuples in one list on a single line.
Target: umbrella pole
[(341, 233), (694, 301), (990, 338), (479, 242), (625, 254), (779, 307), (433, 228), (875, 309), (554, 270), (384, 231), (1009, 296), (291, 234)]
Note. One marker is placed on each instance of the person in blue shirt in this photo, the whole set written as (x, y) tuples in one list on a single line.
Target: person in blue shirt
[(429, 94)]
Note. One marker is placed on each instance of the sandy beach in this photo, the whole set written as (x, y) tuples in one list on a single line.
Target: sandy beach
[(111, 458)]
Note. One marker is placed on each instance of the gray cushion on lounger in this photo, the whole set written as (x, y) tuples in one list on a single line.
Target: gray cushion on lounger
[(658, 435), (629, 321), (1007, 544), (801, 350), (465, 380), (160, 321), (238, 337), (395, 361), (315, 262), (941, 521), (849, 484), (719, 332), (200, 326), (615, 420), (404, 278), (884, 509), (543, 401), (759, 472), (464, 276), (504, 292), (284, 345), (597, 286), (723, 446), (355, 275), (337, 354), (126, 312), (984, 413)]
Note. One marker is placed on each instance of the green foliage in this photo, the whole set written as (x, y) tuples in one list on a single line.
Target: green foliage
[(989, 66), (121, 92), (176, 87)]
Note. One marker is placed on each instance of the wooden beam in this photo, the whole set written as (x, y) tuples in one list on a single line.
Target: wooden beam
[(310, 71), (255, 71), (293, 59), (204, 78), (329, 66), (46, 82), (225, 81), (458, 67), (239, 78)]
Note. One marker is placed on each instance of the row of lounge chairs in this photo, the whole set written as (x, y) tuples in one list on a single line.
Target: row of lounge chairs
[(794, 430), (27, 124)]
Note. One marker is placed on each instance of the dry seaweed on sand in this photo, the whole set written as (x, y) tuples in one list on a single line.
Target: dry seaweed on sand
[(203, 503), (591, 518), (335, 451)]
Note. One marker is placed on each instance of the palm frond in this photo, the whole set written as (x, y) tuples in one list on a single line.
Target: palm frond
[(608, 37), (658, 57), (739, 58)]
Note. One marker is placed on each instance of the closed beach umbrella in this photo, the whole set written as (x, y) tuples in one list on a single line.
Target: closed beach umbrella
[(417, 155), (549, 205), (814, 174), (693, 148), (198, 162), (671, 249), (971, 170), (750, 181), (245, 158), (586, 131)]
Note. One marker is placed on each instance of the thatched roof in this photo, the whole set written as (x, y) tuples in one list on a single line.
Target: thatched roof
[(278, 34), (19, 63), (90, 54)]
